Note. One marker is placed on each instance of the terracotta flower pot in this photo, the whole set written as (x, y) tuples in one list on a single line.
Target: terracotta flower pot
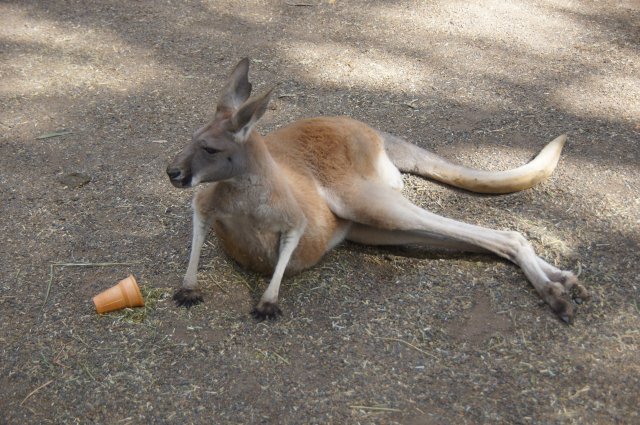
[(125, 294)]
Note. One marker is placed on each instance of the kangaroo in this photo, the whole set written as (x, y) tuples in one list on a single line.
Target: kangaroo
[(278, 203)]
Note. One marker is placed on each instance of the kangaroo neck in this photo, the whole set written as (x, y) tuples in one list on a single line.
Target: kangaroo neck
[(261, 168)]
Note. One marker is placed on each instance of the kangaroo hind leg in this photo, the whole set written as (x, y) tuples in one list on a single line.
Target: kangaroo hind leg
[(398, 220)]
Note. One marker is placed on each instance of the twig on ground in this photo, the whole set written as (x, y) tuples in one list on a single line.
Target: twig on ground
[(54, 134), (35, 391), (86, 369), (280, 357), (224, 291), (93, 264), (299, 4), (377, 408), (407, 344)]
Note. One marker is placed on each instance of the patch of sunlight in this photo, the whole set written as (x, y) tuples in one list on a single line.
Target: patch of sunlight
[(349, 66), (43, 56), (612, 96), (519, 25)]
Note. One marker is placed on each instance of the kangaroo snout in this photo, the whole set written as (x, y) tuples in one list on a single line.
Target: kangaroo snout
[(179, 177)]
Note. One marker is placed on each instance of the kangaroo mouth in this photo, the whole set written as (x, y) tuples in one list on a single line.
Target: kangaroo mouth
[(182, 183), (179, 178)]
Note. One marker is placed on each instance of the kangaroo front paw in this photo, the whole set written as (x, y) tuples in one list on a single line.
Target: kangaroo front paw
[(266, 310), (187, 297)]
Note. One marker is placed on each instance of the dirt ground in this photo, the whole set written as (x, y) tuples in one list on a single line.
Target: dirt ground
[(98, 95)]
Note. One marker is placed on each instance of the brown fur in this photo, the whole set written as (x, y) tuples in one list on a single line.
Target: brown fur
[(328, 149)]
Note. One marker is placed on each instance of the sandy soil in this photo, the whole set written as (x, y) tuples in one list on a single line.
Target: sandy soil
[(98, 95)]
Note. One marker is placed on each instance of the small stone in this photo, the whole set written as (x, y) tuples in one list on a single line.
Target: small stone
[(75, 180)]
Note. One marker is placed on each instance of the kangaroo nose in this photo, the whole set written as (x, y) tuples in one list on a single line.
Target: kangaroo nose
[(174, 173)]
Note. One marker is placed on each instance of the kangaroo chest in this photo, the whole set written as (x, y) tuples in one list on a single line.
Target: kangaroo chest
[(247, 224), (250, 227)]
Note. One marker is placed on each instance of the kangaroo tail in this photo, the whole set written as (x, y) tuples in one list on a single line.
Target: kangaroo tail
[(412, 159)]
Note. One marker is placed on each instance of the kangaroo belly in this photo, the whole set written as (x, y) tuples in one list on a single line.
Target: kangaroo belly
[(252, 247), (257, 248)]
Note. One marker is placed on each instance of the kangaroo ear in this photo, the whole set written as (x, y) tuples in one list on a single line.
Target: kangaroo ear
[(243, 120), (237, 89)]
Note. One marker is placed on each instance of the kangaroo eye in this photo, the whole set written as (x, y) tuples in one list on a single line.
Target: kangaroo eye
[(211, 150)]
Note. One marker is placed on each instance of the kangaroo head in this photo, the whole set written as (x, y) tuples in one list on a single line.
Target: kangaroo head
[(218, 151)]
